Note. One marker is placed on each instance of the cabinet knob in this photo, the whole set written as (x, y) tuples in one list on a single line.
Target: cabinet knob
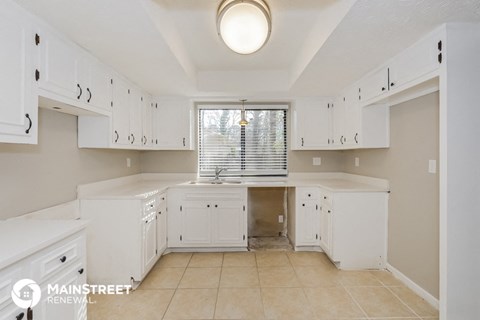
[(80, 271), (383, 89), (309, 195), (208, 206), (325, 197), (63, 259), (216, 206), (329, 211), (392, 84), (20, 316), (303, 204)]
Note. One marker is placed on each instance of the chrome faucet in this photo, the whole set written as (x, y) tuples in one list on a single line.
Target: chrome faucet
[(217, 173)]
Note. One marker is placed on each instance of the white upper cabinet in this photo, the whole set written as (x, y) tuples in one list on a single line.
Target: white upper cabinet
[(120, 113), (97, 80), (312, 124), (339, 122), (418, 61), (58, 72), (347, 119), (374, 85), (147, 122), (18, 103), (174, 124), (414, 65), (135, 123), (70, 75)]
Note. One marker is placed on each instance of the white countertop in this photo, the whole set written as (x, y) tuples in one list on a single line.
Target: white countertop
[(147, 185), (21, 238)]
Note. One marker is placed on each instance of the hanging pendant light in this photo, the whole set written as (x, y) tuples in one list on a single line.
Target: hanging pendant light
[(244, 25), (243, 121)]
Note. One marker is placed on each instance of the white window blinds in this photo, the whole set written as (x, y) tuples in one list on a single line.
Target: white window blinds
[(258, 149)]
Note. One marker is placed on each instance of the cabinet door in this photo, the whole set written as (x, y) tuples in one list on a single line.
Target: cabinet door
[(46, 309), (59, 67), (162, 226), (173, 125), (308, 223), (229, 223), (416, 61), (326, 229), (195, 224), (18, 104), (121, 113), (98, 85), (374, 85), (339, 122), (136, 103), (149, 242), (313, 123), (352, 118), (147, 113)]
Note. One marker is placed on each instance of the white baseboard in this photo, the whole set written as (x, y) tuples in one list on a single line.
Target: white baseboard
[(413, 286)]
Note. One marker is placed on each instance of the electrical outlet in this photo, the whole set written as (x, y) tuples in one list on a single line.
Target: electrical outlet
[(129, 163), (432, 166), (357, 161), (317, 161), (280, 218)]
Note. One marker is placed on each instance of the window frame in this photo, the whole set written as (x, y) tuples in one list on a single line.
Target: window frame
[(243, 144)]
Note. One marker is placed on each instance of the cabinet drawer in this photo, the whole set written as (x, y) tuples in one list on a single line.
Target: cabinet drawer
[(58, 259), (8, 277), (150, 205), (308, 193)]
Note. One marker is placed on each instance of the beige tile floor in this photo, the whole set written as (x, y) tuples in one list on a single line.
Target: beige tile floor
[(261, 285)]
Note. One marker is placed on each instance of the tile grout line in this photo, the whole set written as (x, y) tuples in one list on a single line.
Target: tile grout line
[(176, 288), (411, 309), (354, 300)]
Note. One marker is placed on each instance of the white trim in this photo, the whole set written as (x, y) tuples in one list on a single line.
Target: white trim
[(236, 105), (413, 286)]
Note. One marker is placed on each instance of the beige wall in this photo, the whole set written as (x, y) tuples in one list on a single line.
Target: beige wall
[(186, 161), (39, 176), (413, 207)]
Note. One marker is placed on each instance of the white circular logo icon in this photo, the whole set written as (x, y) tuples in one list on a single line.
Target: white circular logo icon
[(26, 293)]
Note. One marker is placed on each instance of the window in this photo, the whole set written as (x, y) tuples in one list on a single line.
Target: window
[(258, 149)]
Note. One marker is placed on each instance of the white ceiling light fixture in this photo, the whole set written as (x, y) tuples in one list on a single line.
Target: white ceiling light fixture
[(244, 25)]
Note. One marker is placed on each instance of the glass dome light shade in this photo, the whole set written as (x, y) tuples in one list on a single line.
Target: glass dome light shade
[(244, 25)]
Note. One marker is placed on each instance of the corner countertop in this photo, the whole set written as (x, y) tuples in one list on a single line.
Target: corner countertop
[(21, 238), (146, 185)]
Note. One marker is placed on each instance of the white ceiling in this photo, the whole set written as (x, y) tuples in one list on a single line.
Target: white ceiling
[(317, 47)]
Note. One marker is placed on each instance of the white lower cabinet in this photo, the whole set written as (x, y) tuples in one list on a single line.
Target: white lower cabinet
[(307, 217), (207, 217), (60, 311), (63, 263), (353, 228), (162, 224), (128, 251)]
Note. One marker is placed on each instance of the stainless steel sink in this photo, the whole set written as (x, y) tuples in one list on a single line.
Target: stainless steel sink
[(214, 182)]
